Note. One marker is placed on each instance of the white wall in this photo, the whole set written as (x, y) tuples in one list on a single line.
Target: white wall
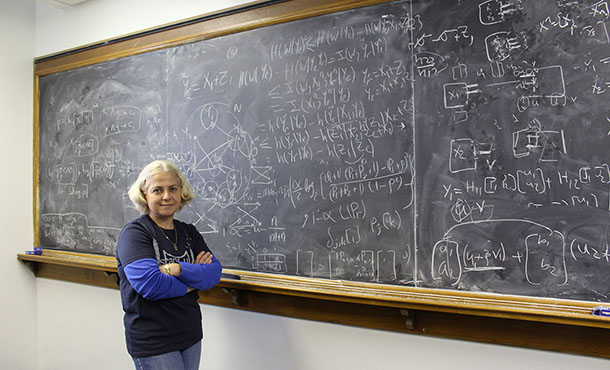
[(50, 324), (97, 20), (18, 340)]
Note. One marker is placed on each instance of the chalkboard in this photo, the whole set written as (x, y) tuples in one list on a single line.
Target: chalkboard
[(438, 144)]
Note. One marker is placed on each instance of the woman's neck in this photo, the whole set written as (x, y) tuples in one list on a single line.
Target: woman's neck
[(164, 223)]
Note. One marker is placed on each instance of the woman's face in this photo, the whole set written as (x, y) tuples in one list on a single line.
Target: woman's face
[(163, 196)]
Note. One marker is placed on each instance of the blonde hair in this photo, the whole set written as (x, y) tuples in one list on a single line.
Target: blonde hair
[(139, 187)]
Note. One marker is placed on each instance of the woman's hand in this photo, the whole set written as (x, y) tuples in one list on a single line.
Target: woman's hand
[(173, 269), (204, 257)]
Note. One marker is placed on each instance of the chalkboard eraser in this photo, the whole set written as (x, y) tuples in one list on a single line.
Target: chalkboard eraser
[(601, 311), (229, 276), (37, 251)]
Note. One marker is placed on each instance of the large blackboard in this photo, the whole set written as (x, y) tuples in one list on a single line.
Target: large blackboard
[(444, 144)]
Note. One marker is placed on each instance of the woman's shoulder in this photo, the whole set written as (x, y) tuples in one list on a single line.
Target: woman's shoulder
[(142, 224), (140, 221), (134, 233)]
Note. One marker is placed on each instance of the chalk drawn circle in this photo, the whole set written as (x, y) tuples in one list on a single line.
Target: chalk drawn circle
[(232, 52)]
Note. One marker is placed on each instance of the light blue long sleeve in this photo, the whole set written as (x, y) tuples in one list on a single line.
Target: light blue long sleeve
[(201, 276), (146, 278)]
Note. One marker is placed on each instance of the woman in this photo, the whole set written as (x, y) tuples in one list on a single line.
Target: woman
[(162, 262)]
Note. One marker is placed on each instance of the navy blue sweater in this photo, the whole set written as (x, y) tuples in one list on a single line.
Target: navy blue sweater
[(160, 316)]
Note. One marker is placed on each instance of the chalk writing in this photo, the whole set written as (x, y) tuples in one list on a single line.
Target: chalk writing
[(455, 145)]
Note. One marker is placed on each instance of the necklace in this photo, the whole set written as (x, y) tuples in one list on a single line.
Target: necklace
[(175, 244)]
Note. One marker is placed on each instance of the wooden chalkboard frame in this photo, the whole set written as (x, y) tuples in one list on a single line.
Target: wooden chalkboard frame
[(260, 14)]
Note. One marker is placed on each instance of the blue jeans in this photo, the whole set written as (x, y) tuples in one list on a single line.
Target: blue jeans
[(187, 359)]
